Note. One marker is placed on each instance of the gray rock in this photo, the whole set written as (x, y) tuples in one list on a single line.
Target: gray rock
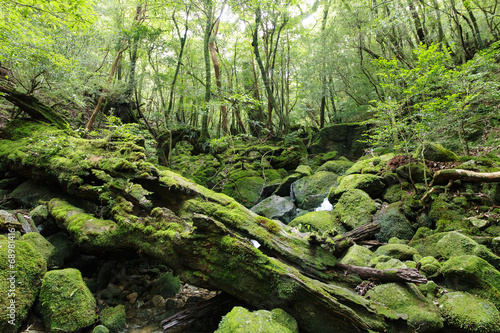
[(276, 208)]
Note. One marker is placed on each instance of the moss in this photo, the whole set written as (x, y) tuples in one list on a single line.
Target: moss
[(355, 208), (310, 191), (304, 170), (66, 304), (369, 183), (470, 313), (358, 256), (20, 279), (442, 210), (416, 172), (240, 320), (321, 221), (397, 251), (371, 165), (51, 254), (393, 223), (420, 314), (167, 285), (390, 264), (394, 194), (338, 167), (436, 152), (114, 318), (100, 329)]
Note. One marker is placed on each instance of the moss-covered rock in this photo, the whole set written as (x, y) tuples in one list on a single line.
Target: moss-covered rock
[(343, 138), (66, 304), (429, 265), (436, 152), (39, 214), (310, 191), (393, 223), (276, 207), (51, 254), (114, 318), (21, 272), (167, 285), (355, 208), (358, 256), (338, 167), (397, 251), (393, 194), (240, 320), (246, 190), (369, 183), (407, 303), (473, 274), (100, 329), (321, 221), (416, 172), (283, 189), (304, 170), (371, 165), (469, 313), (63, 244), (389, 264), (447, 213)]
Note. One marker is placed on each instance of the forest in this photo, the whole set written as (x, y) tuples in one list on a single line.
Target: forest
[(249, 166)]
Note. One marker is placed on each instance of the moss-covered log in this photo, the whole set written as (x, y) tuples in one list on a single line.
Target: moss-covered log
[(443, 177), (205, 237)]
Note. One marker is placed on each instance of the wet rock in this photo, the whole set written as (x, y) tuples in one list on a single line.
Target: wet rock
[(276, 208), (240, 320), (283, 189), (66, 304), (132, 297), (310, 191), (469, 313)]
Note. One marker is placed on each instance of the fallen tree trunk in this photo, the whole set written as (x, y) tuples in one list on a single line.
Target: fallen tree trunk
[(205, 237), (443, 177), (385, 275)]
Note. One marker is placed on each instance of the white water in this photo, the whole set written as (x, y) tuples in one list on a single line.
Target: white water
[(325, 205)]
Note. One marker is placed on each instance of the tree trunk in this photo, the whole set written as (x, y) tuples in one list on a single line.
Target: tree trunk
[(215, 61), (205, 237), (208, 76), (443, 177)]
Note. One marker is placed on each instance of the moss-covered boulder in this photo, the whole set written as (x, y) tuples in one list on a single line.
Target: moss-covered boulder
[(338, 167), (371, 165), (246, 190), (358, 256), (406, 302), (39, 214), (283, 189), (393, 223), (355, 208), (392, 263), (429, 266), (343, 138), (469, 313), (415, 172), (63, 244), (66, 304), (304, 170), (394, 193), (397, 251), (21, 272), (51, 254), (240, 320), (446, 214), (167, 285), (100, 329), (320, 221), (369, 183), (114, 318), (472, 274), (276, 207), (310, 191), (436, 152)]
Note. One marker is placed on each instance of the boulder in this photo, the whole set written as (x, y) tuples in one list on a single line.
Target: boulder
[(369, 183), (397, 251), (338, 167), (469, 313), (276, 207), (436, 152), (416, 172), (167, 285), (389, 264), (39, 214), (393, 223), (406, 302), (310, 191), (246, 190), (51, 254), (343, 138), (371, 165), (355, 208), (321, 221), (21, 275), (114, 318), (429, 265), (66, 304), (304, 170), (283, 189), (358, 256), (240, 320)]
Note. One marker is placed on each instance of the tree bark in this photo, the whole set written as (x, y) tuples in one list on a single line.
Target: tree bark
[(443, 177), (385, 275), (215, 61)]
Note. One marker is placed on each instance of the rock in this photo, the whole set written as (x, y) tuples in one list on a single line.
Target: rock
[(310, 191), (397, 251), (304, 170), (442, 210), (114, 318), (436, 152), (276, 208), (246, 190), (100, 329), (355, 208), (63, 244), (343, 138), (338, 167), (321, 221), (393, 223), (370, 165), (167, 285), (22, 286), (50, 252), (283, 189), (406, 302), (479, 223), (158, 301), (369, 183), (469, 313), (240, 320), (131, 298), (358, 256), (474, 275), (416, 172), (66, 304), (111, 291), (394, 194), (29, 194), (429, 265), (39, 214), (390, 264)]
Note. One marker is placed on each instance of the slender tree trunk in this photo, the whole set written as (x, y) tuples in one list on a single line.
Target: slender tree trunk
[(215, 61), (208, 77), (323, 70)]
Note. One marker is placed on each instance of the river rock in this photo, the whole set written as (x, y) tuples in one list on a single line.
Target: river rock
[(276, 208)]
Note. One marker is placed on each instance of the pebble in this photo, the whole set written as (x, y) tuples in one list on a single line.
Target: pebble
[(131, 298)]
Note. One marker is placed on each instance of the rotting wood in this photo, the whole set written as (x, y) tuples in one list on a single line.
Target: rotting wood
[(443, 177), (385, 275)]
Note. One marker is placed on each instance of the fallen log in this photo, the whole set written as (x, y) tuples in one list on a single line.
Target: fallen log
[(443, 177), (205, 237), (385, 275)]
